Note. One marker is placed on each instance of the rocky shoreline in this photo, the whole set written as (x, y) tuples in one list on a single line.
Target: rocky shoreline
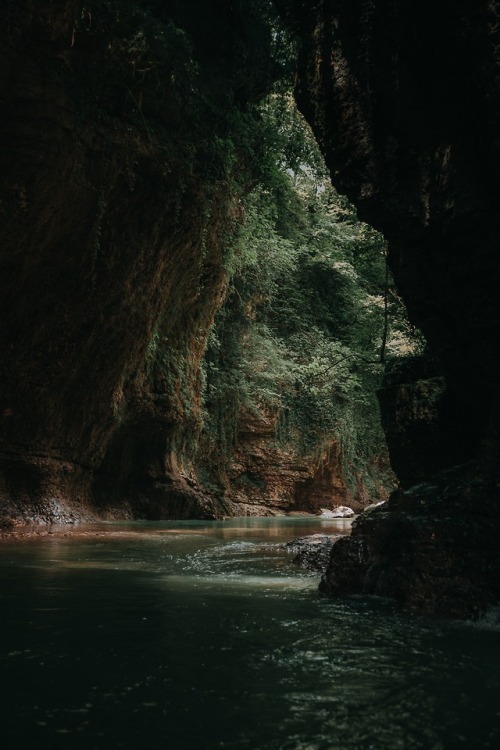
[(433, 548)]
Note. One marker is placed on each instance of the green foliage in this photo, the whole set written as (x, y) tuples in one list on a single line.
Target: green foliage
[(300, 335), (193, 96)]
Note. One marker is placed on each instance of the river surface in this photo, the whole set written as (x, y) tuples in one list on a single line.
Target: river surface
[(200, 635)]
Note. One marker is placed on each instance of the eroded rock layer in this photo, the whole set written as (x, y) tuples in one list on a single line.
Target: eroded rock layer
[(265, 478), (405, 101), (117, 208)]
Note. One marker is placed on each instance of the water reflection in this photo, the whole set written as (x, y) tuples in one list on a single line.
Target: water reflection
[(198, 634)]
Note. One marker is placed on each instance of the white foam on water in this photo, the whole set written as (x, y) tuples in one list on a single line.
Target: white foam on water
[(243, 583)]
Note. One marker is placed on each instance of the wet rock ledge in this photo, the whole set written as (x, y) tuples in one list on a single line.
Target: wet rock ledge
[(313, 551), (433, 548)]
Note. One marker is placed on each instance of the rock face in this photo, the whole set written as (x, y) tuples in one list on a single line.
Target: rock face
[(117, 208), (421, 420), (405, 102), (406, 112), (312, 552), (265, 478), (263, 474), (433, 548), (120, 180)]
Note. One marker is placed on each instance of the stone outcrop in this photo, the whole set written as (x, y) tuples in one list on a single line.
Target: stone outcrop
[(313, 551), (117, 207), (422, 420), (265, 477), (405, 102), (433, 548)]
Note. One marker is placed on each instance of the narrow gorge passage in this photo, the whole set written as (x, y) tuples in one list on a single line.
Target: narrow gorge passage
[(189, 635), (249, 272)]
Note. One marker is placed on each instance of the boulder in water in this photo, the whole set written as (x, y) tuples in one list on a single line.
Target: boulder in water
[(341, 511), (312, 552)]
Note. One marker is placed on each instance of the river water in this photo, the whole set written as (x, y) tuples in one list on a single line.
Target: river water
[(204, 635)]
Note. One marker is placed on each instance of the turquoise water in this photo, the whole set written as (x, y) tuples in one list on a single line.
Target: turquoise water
[(204, 635)]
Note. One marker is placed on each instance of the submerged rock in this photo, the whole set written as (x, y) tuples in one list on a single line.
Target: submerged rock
[(312, 552)]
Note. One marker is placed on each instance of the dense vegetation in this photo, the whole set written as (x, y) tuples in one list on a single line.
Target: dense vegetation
[(311, 315)]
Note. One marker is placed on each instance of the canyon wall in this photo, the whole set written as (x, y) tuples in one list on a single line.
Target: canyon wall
[(127, 143), (263, 477), (404, 100), (129, 139), (119, 200)]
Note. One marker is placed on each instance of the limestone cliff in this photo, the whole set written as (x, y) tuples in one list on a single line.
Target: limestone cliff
[(120, 147), (405, 101), (265, 478)]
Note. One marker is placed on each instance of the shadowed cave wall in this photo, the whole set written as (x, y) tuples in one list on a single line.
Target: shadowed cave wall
[(119, 197), (129, 137), (404, 101)]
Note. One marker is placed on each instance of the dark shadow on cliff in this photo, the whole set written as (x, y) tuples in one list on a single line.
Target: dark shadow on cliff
[(405, 103)]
